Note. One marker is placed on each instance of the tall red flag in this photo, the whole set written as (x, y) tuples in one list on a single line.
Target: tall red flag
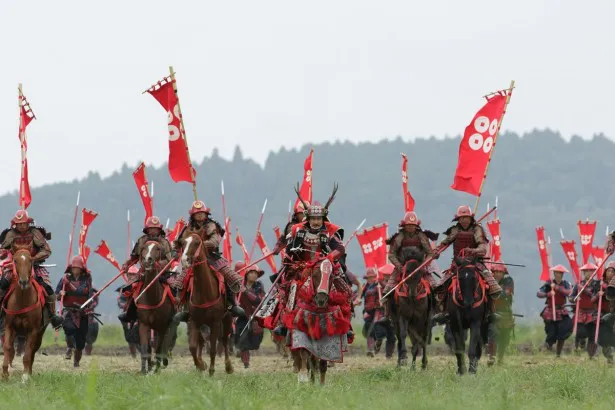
[(87, 217), (265, 250), (544, 255), (180, 167), (408, 199), (599, 253), (306, 183), (179, 226), (242, 245), (25, 117), (86, 252), (104, 251), (571, 254), (227, 248), (496, 247), (143, 187), (587, 230), (478, 140), (373, 245)]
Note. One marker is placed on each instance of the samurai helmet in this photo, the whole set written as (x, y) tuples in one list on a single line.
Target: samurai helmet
[(317, 209), (199, 206), (153, 222), (611, 265), (463, 210), (21, 216), (371, 273), (410, 218), (77, 262), (559, 268)]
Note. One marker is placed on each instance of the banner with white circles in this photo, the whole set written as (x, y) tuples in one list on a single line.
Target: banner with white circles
[(373, 245), (599, 253), (570, 252), (544, 253), (496, 247), (587, 230), (478, 140)]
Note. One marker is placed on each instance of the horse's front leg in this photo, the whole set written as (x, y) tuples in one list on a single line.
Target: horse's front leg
[(9, 350), (28, 354), (226, 330), (213, 347), (402, 350), (304, 364), (323, 371), (144, 340), (475, 348)]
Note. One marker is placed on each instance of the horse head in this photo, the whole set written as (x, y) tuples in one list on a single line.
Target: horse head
[(412, 258), (150, 255), (322, 276), (466, 275), (192, 248), (23, 267)]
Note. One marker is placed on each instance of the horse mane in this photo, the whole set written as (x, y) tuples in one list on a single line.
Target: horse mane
[(411, 253)]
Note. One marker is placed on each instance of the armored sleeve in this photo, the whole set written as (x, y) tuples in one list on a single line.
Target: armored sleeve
[(42, 246), (426, 245), (544, 290), (508, 286), (60, 285), (212, 236), (451, 234), (481, 240), (610, 246), (393, 249), (8, 240)]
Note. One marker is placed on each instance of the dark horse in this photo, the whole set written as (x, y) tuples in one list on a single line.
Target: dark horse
[(155, 309), (467, 299), (412, 313), (206, 303)]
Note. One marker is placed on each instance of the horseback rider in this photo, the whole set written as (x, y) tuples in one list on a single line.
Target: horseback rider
[(152, 231), (410, 236), (74, 289), (24, 235), (558, 328), (500, 329), (211, 234), (468, 239), (587, 311)]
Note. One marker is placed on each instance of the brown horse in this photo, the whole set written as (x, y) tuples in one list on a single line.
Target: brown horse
[(155, 309), (412, 315), (320, 283), (23, 307), (207, 304)]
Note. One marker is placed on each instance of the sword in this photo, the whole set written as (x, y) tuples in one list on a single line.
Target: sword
[(263, 301), (505, 264)]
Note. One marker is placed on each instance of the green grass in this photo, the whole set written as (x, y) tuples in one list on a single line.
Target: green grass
[(520, 384)]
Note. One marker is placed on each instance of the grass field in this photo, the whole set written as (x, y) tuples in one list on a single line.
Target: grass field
[(530, 381)]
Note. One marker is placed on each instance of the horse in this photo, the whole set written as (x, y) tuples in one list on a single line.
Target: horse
[(155, 309), (319, 324), (467, 298), (412, 316), (24, 309), (207, 304)]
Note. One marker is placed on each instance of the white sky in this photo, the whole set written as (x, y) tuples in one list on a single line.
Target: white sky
[(262, 74)]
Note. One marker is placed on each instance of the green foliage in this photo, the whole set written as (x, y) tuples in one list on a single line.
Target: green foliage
[(539, 178)]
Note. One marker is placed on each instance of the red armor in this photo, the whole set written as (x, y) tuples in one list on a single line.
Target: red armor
[(24, 241), (371, 297), (585, 300), (463, 239), (413, 241)]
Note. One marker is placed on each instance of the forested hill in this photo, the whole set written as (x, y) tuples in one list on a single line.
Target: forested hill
[(540, 179)]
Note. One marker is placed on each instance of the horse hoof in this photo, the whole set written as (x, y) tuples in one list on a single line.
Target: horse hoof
[(302, 378), (165, 362), (402, 363), (25, 378), (211, 372), (229, 369), (413, 366)]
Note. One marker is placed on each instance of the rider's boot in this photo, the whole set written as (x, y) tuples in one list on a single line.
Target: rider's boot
[(441, 316), (130, 314), (233, 307)]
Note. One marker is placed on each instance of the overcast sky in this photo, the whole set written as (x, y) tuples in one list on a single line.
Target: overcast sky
[(265, 74)]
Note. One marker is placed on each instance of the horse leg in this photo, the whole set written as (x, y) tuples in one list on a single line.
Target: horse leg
[(214, 335), (9, 350), (28, 355), (323, 371), (193, 345), (161, 353), (402, 350), (424, 340), (475, 348), (303, 377), (313, 365), (226, 330), (296, 355), (144, 340), (415, 348)]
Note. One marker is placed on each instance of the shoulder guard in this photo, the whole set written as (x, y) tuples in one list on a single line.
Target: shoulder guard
[(450, 230), (433, 236), (43, 231), (482, 231), (219, 227), (392, 238), (3, 234), (333, 230), (296, 228)]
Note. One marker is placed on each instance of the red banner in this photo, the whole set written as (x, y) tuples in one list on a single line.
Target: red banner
[(179, 161), (265, 250), (143, 187), (87, 217), (496, 247), (179, 226), (478, 140), (544, 255), (239, 240), (373, 245), (86, 253), (587, 230), (227, 246), (599, 253), (104, 251), (571, 254), (25, 117), (408, 200), (306, 184)]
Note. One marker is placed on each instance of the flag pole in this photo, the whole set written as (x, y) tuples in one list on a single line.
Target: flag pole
[(258, 228), (183, 132), (128, 241), (495, 137)]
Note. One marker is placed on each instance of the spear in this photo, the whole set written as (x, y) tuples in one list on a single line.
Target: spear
[(87, 302), (428, 260), (258, 228), (223, 202), (290, 206), (354, 233)]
